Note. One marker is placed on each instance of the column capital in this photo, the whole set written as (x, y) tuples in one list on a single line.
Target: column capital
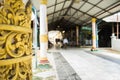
[(93, 19), (43, 2)]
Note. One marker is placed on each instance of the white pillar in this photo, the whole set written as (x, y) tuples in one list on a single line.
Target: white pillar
[(43, 32), (35, 37), (77, 35), (35, 30), (117, 28), (93, 34), (113, 28), (113, 38)]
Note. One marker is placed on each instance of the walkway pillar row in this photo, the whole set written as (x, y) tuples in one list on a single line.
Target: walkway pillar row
[(93, 34), (77, 35), (43, 32)]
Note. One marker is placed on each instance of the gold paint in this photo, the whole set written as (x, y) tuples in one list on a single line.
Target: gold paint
[(15, 28), (43, 2), (43, 58), (15, 40), (93, 37), (93, 20), (14, 60), (44, 38)]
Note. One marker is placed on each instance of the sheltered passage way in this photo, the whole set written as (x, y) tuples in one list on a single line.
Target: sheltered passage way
[(65, 15), (100, 65)]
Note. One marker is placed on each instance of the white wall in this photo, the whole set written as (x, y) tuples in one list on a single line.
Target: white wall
[(115, 44)]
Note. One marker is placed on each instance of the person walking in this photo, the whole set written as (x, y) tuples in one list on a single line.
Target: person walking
[(65, 42)]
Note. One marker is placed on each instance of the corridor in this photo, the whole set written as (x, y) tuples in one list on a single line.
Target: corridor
[(86, 64)]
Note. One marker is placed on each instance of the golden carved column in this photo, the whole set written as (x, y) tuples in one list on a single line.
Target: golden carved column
[(15, 40)]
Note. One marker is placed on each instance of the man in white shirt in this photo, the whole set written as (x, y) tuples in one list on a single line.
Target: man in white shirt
[(65, 42)]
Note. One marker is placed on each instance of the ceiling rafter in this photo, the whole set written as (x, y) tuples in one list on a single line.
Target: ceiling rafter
[(70, 24), (54, 10), (75, 12), (62, 8), (84, 12), (98, 6), (67, 11), (89, 9), (54, 5), (69, 7), (80, 20), (94, 5), (73, 21), (114, 5)]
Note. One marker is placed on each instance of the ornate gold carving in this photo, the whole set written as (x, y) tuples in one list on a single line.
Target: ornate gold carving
[(16, 69), (14, 12), (15, 40)]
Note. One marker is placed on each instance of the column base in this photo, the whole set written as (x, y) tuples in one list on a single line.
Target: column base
[(44, 60), (93, 49)]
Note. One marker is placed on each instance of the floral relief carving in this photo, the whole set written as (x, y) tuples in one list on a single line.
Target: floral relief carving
[(15, 40)]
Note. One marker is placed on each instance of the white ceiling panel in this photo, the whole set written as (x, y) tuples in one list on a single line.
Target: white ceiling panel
[(58, 1), (86, 7), (66, 17), (106, 3), (94, 11), (59, 7), (50, 10), (71, 11), (87, 22), (77, 5), (115, 9), (77, 22), (56, 14), (51, 2), (67, 3), (76, 15), (103, 15), (50, 17), (72, 19), (94, 1), (63, 11), (79, 13), (84, 17)]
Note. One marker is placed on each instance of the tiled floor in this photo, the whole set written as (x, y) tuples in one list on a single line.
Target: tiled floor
[(63, 68), (88, 65), (43, 71)]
